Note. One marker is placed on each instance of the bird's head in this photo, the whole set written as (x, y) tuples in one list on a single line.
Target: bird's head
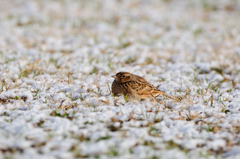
[(122, 77)]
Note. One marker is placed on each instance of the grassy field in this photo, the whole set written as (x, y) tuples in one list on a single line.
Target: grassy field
[(56, 63)]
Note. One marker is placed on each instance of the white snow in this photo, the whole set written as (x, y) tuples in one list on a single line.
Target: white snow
[(56, 63)]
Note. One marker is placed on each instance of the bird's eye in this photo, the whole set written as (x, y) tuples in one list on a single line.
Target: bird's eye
[(123, 76)]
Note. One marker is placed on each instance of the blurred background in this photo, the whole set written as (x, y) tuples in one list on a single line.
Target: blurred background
[(104, 36)]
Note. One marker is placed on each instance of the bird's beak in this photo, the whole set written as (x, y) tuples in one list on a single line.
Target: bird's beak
[(114, 76)]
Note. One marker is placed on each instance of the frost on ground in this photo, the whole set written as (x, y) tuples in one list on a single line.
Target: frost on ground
[(57, 58)]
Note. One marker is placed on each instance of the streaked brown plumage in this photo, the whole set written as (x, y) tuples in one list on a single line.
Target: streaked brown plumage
[(135, 86)]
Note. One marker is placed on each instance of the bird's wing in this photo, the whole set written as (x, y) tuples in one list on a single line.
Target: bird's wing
[(146, 90), (143, 88)]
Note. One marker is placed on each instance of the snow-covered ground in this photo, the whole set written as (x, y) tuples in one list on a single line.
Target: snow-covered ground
[(56, 62)]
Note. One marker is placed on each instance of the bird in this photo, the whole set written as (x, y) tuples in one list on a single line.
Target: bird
[(135, 87)]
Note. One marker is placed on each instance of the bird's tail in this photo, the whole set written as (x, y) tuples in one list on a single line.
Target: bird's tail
[(158, 93)]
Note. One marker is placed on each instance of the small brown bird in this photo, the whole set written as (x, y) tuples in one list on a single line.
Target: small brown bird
[(134, 86)]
